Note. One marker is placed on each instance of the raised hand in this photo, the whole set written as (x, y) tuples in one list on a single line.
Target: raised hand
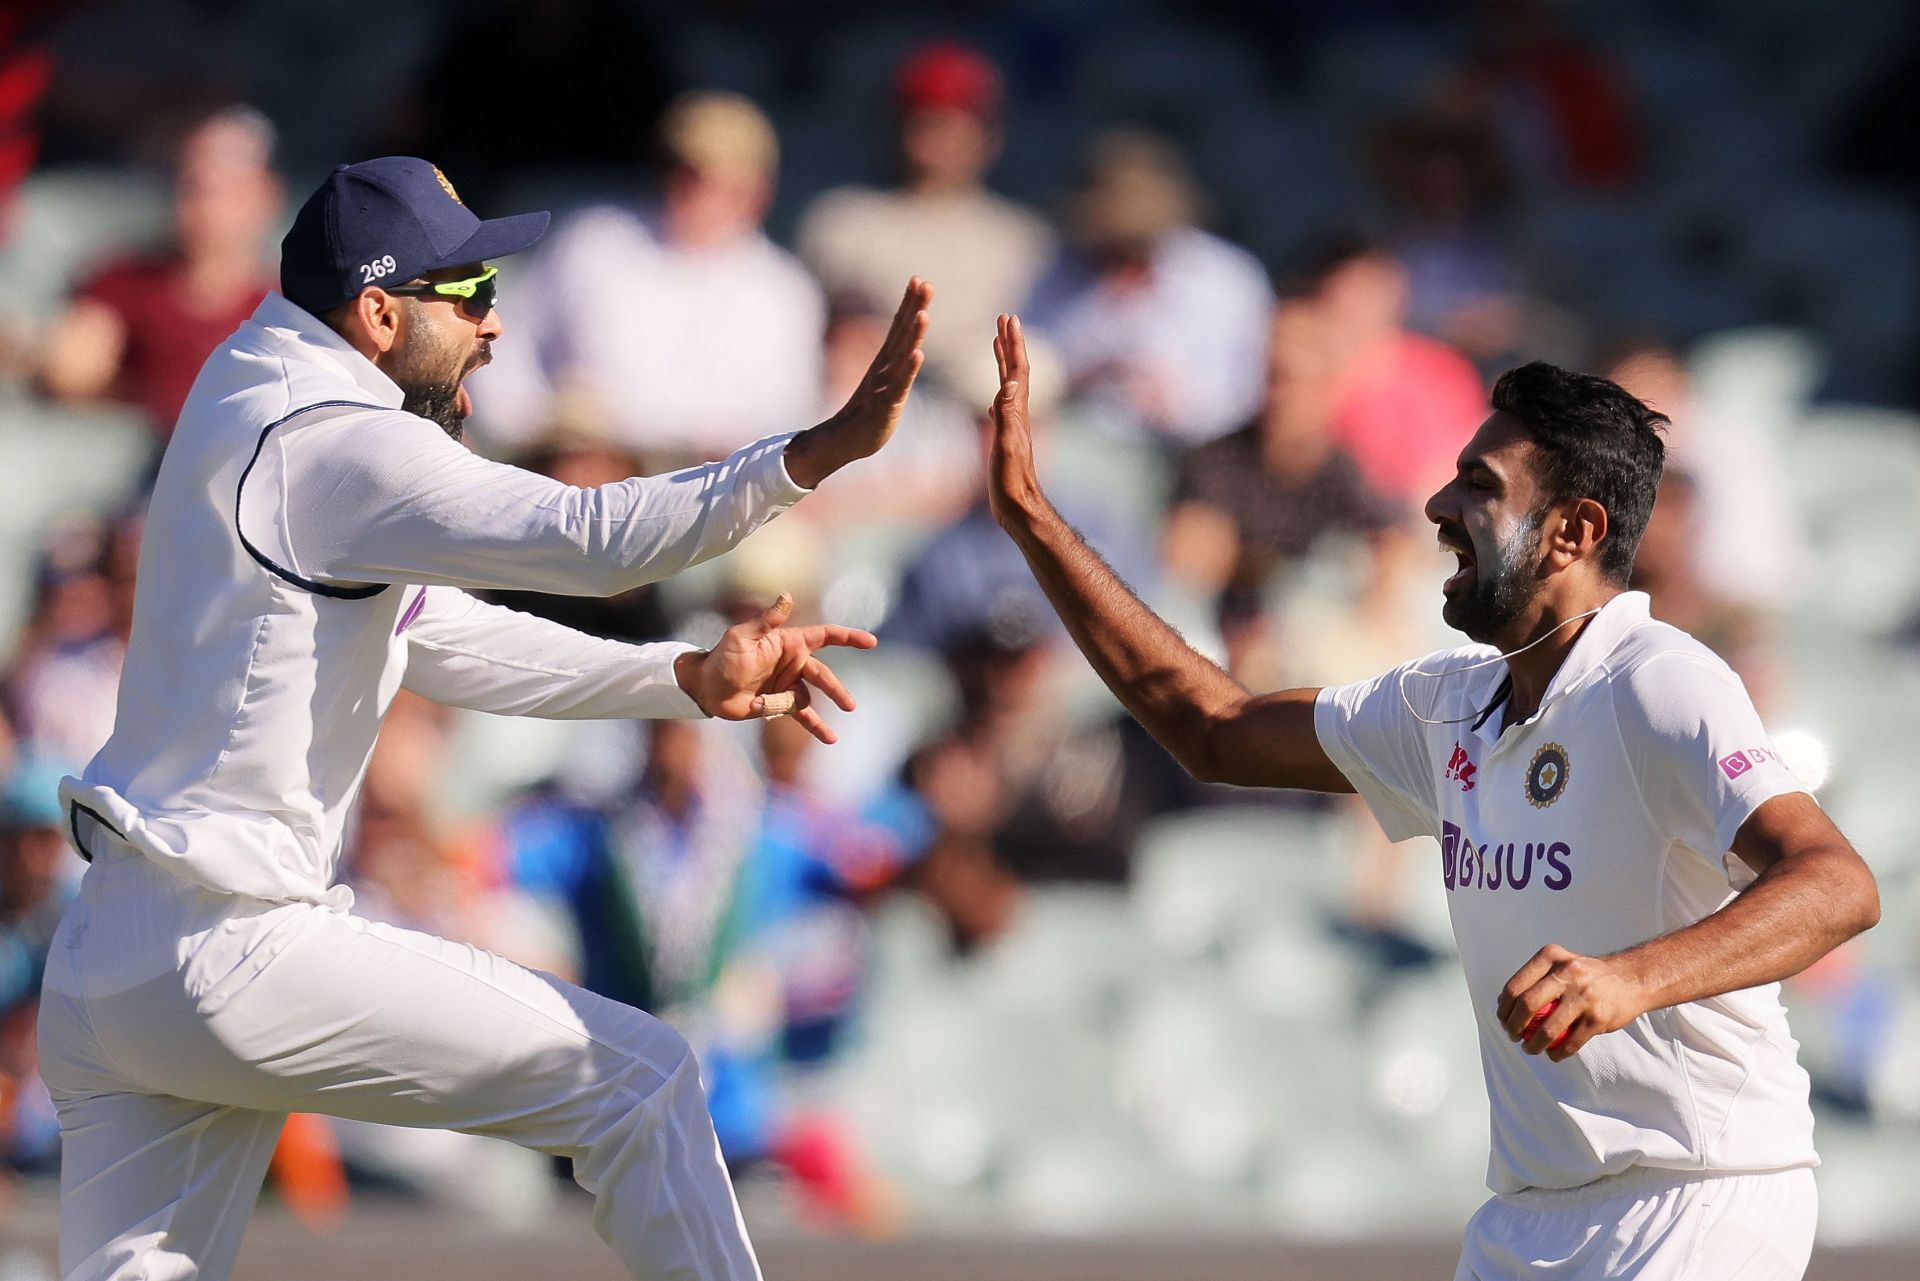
[(763, 667), (1012, 483), (870, 415)]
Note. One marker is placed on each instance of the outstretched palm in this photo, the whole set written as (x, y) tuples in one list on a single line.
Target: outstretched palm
[(874, 409), (761, 664), (867, 421), (1011, 481)]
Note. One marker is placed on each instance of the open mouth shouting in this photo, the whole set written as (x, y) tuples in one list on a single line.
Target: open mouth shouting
[(1456, 543), (463, 397)]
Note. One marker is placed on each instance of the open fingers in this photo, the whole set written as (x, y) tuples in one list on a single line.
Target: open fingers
[(781, 701), (821, 635), (810, 720), (775, 615), (909, 325), (821, 677)]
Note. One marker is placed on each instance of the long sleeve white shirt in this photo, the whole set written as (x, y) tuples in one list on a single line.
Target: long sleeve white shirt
[(303, 559)]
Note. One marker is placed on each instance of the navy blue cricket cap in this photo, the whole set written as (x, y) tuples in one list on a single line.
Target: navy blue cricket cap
[(388, 221)]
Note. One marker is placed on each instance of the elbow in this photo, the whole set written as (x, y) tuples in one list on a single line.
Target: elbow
[(1855, 895), (610, 578), (1198, 752), (1867, 902)]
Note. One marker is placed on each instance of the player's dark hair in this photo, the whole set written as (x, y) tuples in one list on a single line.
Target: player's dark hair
[(1596, 441)]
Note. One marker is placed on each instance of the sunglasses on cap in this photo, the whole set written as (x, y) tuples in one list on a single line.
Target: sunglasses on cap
[(475, 296)]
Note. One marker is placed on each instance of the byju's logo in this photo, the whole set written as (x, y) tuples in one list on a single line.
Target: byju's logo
[(1740, 762), (1466, 866)]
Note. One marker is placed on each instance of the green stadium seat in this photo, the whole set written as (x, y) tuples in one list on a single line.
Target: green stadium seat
[(1074, 954), (1857, 477), (59, 459), (1217, 1086), (1207, 879), (1866, 1182), (1425, 1087), (949, 1085), (65, 222), (1101, 1182)]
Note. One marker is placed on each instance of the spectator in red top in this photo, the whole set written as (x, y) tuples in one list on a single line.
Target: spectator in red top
[(1404, 404), (139, 330)]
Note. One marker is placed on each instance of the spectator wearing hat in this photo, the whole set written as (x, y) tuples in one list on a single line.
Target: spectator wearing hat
[(138, 330), (1162, 324), (682, 326), (940, 222)]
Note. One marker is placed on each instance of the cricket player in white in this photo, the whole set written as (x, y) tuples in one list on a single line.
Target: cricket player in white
[(312, 529), (1630, 867)]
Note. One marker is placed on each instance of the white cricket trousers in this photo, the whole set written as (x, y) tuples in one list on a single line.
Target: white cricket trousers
[(178, 1027), (1648, 1225)]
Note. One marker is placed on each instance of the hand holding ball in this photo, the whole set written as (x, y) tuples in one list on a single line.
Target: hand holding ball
[(1540, 1016)]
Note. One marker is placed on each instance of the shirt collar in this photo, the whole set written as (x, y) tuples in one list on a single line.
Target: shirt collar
[(301, 335), (1596, 643)]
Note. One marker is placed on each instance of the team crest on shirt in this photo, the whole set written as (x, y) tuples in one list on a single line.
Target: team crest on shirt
[(1547, 776)]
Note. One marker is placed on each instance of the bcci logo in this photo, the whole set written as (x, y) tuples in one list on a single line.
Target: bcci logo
[(447, 186), (1547, 776)]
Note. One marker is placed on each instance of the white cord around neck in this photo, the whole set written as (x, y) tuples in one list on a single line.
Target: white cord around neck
[(1470, 667)]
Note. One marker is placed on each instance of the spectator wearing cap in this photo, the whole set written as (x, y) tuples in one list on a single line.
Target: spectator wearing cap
[(683, 326), (138, 330), (984, 251), (1162, 324)]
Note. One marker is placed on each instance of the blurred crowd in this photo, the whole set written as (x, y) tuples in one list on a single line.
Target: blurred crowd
[(1246, 431)]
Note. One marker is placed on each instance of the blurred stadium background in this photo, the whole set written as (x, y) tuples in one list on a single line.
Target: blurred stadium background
[(990, 987)]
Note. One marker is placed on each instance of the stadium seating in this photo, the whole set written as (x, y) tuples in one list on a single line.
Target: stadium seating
[(1208, 879)]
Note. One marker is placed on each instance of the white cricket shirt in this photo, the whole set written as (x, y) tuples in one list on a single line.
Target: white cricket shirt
[(1602, 821), (300, 565)]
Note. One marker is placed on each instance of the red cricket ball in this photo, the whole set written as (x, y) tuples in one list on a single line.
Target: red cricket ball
[(1540, 1016)]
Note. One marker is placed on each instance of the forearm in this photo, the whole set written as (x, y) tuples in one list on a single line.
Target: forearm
[(431, 512), (465, 653), (818, 452), (1793, 914), (1168, 686)]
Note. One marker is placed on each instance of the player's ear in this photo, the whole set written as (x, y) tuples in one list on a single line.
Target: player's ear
[(376, 314), (1582, 524)]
